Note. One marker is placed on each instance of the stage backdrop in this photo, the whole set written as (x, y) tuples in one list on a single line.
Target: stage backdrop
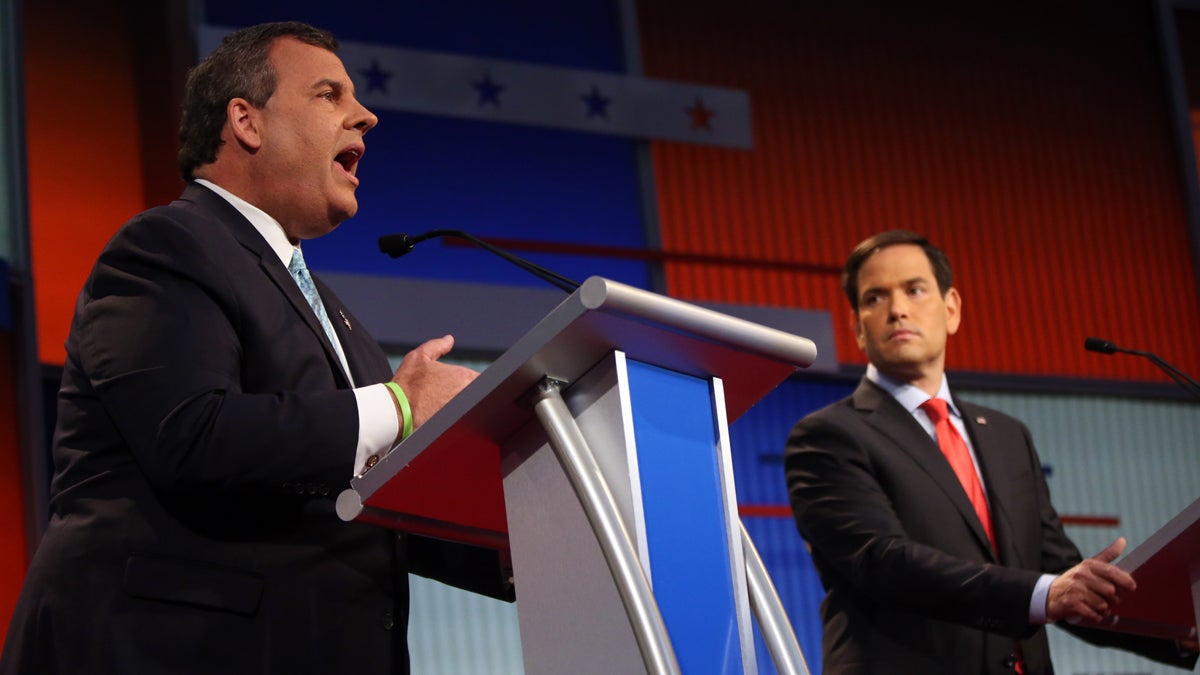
[(1032, 142)]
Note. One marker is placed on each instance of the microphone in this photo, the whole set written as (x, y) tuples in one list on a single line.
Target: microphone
[(397, 245), (1094, 344)]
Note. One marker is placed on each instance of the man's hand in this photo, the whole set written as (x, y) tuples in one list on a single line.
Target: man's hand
[(1091, 588), (428, 383)]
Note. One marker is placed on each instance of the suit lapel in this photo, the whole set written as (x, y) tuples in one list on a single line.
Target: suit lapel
[(989, 450), (893, 421), (271, 266)]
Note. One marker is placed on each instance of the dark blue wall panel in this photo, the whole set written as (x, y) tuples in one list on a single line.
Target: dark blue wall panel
[(491, 179)]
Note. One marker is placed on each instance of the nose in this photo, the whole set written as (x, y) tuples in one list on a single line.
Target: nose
[(363, 119), (898, 305)]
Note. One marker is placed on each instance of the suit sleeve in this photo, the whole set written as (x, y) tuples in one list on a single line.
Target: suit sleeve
[(855, 533), (168, 341)]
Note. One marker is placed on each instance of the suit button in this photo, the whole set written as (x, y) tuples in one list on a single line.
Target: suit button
[(387, 621)]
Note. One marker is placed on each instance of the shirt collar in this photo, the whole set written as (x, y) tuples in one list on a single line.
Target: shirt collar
[(268, 227), (908, 395)]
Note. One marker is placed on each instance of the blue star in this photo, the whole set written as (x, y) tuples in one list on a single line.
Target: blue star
[(489, 91), (597, 104), (376, 77)]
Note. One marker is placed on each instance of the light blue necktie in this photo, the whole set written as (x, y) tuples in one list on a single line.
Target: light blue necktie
[(304, 280)]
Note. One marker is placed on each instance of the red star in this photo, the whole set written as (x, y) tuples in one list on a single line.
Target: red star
[(701, 116)]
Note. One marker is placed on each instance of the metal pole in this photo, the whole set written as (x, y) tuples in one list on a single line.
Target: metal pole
[(581, 469), (768, 610)]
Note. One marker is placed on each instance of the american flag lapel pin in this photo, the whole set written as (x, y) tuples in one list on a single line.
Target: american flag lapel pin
[(345, 320)]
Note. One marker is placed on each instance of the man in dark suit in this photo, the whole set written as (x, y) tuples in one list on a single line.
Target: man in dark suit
[(920, 577), (209, 413)]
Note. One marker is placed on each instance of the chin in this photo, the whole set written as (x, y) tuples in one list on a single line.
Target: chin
[(338, 213), (897, 362)]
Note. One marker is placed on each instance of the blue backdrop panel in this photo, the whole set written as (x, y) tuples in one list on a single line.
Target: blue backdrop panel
[(757, 439), (577, 34), (490, 179), (688, 542), (759, 435)]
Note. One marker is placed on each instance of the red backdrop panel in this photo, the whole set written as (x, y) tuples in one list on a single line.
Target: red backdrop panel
[(84, 152), (1032, 143)]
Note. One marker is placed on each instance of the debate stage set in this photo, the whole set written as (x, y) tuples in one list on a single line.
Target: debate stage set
[(706, 167)]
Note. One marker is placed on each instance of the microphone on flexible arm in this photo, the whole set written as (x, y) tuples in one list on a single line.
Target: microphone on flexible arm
[(1100, 346), (397, 245)]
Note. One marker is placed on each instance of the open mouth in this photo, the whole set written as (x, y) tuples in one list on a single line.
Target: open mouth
[(348, 160)]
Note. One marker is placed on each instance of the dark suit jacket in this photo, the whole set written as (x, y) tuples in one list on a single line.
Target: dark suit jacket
[(204, 428), (912, 584)]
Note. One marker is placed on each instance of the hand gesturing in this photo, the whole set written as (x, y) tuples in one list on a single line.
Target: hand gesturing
[(1090, 589)]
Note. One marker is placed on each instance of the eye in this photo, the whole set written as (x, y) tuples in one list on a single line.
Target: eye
[(870, 300)]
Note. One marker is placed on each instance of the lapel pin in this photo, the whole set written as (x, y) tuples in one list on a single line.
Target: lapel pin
[(345, 320), (978, 420)]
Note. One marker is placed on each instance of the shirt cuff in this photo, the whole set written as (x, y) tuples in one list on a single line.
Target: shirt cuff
[(1037, 604), (377, 424)]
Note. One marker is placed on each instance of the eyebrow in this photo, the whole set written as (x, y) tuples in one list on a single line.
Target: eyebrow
[(906, 283), (336, 85)]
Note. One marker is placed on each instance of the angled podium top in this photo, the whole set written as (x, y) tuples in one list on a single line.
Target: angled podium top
[(445, 479), (1165, 568)]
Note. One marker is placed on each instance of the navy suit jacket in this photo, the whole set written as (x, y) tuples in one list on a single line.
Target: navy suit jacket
[(912, 584), (204, 428)]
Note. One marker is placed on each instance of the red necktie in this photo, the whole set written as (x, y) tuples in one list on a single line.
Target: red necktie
[(952, 445), (955, 449)]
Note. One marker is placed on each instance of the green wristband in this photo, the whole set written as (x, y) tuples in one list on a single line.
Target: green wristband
[(405, 409)]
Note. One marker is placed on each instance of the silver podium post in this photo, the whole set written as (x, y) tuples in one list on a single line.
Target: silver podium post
[(768, 610), (585, 477)]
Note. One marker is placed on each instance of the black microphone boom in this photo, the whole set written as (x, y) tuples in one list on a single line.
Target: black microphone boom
[(397, 245), (1100, 346)]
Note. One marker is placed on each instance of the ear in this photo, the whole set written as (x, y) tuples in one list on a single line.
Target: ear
[(857, 328), (953, 310), (244, 121)]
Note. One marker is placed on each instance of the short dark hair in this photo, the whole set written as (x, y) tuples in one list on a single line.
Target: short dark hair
[(238, 68), (872, 245)]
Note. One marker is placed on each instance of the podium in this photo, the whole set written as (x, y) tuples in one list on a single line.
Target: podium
[(1166, 568), (595, 451)]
